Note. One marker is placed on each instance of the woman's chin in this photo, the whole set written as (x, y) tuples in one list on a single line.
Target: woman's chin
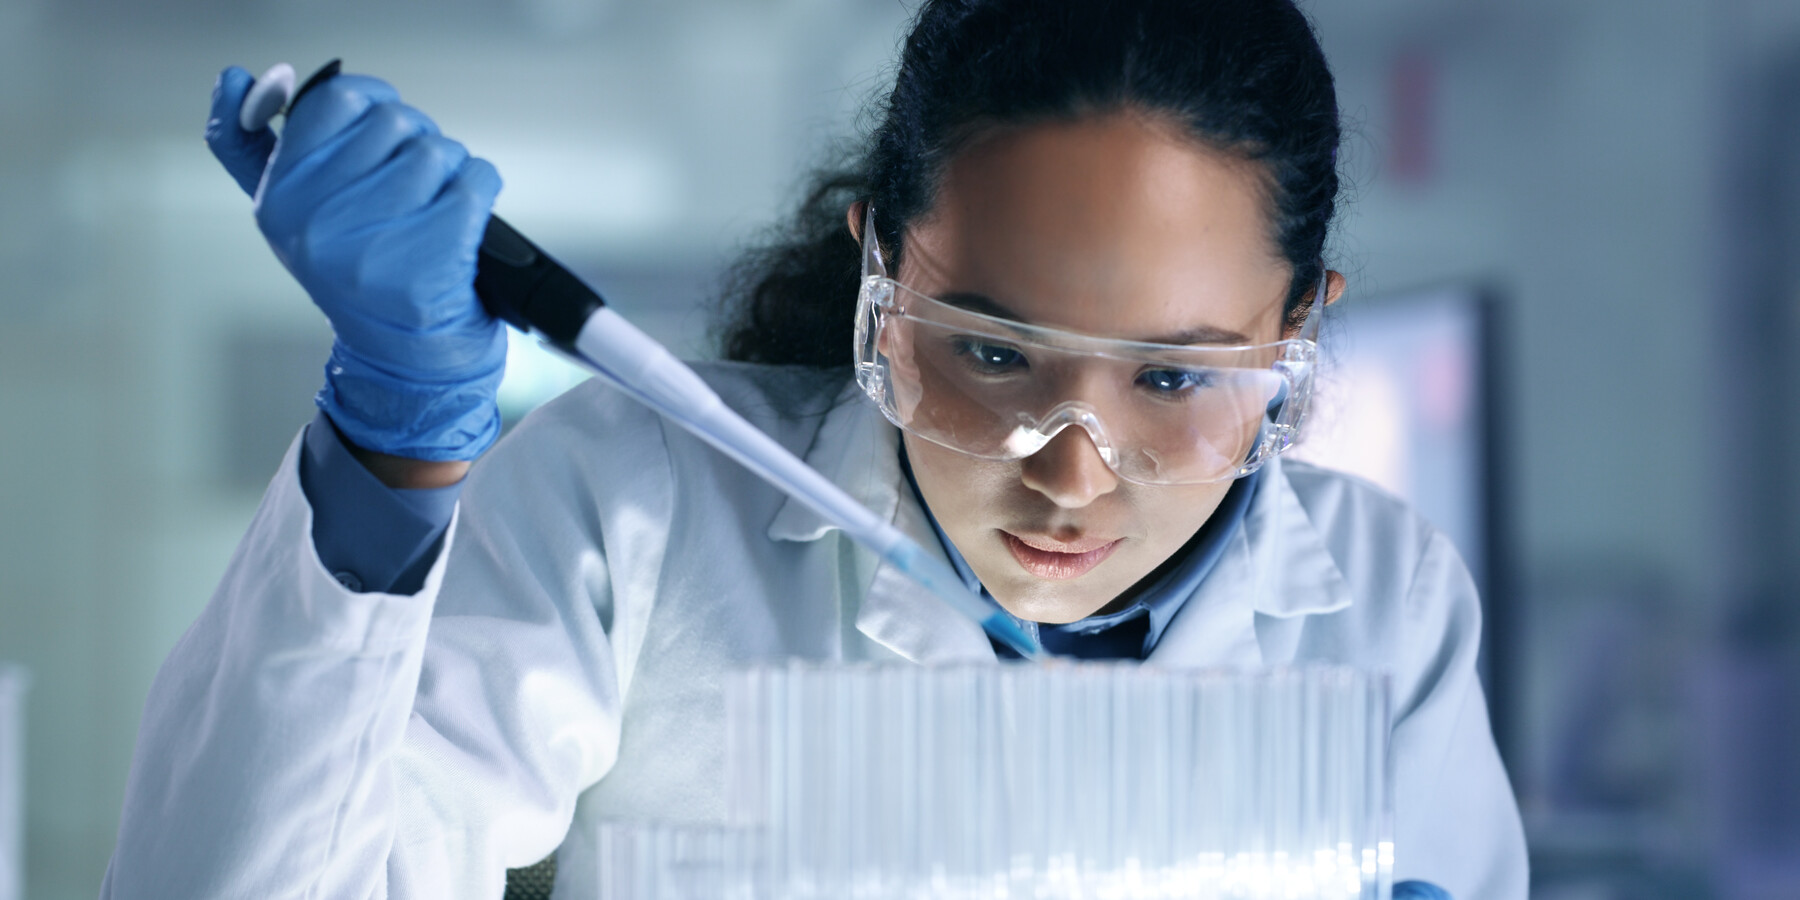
[(1051, 607)]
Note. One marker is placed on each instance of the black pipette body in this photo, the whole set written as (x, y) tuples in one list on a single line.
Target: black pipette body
[(516, 280)]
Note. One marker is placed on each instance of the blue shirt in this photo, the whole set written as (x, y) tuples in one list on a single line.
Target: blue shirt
[(370, 537), (1131, 632)]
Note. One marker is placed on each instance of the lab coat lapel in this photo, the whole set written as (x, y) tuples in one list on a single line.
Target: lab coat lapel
[(1217, 625), (899, 615), (1275, 572), (858, 450)]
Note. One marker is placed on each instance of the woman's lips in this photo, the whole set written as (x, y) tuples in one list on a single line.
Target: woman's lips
[(1057, 560)]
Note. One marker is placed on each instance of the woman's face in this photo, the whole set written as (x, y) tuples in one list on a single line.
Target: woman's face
[(1113, 226)]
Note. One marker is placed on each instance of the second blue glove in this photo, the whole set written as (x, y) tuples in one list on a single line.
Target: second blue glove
[(379, 217)]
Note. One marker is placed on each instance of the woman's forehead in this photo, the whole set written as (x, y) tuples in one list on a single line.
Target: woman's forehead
[(1110, 224)]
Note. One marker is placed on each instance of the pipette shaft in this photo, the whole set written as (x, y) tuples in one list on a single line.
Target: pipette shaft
[(644, 369)]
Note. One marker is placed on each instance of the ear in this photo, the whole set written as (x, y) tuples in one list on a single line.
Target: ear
[(1334, 286), (855, 218), (1335, 283)]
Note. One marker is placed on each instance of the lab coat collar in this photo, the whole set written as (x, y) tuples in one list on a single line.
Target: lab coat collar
[(855, 449), (859, 451), (1276, 570), (1277, 566), (1305, 578)]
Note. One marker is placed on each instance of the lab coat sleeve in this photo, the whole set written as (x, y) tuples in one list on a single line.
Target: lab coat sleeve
[(1457, 820), (303, 740)]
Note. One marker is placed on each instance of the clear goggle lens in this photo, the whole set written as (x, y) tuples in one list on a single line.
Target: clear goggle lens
[(1000, 389)]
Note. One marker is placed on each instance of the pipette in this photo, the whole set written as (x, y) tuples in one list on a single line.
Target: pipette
[(522, 285)]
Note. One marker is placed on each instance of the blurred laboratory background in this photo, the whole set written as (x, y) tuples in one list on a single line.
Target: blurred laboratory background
[(1572, 234)]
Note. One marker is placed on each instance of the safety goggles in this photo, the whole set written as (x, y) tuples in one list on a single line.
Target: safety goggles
[(999, 389)]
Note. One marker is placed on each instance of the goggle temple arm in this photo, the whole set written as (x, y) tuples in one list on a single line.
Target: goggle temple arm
[(1299, 358), (872, 264), (1315, 312)]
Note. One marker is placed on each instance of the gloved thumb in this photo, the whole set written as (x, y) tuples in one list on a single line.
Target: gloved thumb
[(243, 153)]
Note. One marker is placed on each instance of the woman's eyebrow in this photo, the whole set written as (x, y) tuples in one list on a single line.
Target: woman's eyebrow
[(980, 303), (1200, 334), (1203, 334)]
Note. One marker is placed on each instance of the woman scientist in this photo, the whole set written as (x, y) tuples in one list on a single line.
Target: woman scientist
[(400, 692)]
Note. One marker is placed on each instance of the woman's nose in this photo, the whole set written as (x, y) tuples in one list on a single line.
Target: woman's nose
[(1069, 470)]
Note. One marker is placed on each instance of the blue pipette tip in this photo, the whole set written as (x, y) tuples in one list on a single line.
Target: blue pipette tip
[(1006, 630), (937, 576)]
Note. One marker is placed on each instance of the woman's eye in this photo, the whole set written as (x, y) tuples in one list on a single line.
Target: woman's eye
[(1173, 381), (991, 357)]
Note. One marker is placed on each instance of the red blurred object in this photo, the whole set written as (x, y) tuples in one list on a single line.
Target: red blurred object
[(1412, 96)]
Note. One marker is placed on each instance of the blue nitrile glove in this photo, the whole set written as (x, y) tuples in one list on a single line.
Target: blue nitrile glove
[(379, 217), (1419, 890)]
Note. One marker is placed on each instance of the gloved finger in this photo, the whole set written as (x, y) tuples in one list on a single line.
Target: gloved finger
[(409, 180), (359, 149), (243, 153), (453, 223), (469, 200), (1419, 890), (429, 257), (320, 117)]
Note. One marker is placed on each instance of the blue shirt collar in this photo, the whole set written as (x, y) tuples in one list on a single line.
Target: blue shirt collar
[(1132, 632)]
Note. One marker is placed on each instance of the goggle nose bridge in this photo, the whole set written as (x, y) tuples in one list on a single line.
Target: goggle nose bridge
[(1046, 427)]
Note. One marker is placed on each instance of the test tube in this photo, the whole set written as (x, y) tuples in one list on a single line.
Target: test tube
[(887, 782)]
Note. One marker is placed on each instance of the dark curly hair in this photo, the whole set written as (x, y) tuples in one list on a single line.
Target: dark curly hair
[(1245, 77)]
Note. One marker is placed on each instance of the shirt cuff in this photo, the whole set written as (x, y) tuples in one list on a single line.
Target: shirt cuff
[(370, 537)]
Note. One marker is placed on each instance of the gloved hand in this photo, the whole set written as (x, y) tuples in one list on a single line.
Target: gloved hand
[(379, 217), (1419, 890)]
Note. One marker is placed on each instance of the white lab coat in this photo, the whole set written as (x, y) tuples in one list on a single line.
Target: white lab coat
[(561, 664)]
